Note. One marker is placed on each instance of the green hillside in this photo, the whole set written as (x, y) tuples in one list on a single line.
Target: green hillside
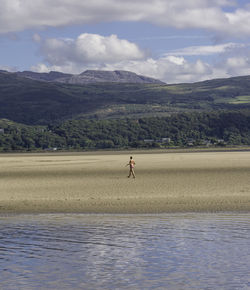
[(220, 128), (33, 102)]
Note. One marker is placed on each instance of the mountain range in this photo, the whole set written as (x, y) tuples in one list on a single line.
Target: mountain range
[(90, 76), (45, 98)]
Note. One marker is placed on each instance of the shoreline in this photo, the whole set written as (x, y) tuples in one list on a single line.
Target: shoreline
[(74, 208), (131, 150), (166, 182)]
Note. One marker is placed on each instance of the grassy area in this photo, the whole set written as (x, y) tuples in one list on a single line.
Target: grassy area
[(240, 100)]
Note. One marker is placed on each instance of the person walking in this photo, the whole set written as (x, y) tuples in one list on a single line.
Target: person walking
[(131, 167)]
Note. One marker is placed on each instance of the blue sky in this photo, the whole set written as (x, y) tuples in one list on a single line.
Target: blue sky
[(172, 40)]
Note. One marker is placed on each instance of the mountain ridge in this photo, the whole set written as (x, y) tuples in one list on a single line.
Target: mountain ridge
[(90, 76)]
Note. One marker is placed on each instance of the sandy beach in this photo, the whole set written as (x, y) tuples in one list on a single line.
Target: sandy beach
[(98, 183)]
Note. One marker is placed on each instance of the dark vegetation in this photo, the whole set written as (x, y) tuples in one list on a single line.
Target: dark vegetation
[(44, 115), (184, 129)]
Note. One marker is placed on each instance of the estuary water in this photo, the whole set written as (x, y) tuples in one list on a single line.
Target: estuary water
[(166, 251)]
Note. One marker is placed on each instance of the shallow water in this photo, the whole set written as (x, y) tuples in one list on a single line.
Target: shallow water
[(168, 251)]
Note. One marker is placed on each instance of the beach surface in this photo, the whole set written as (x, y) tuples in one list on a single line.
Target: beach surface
[(98, 183)]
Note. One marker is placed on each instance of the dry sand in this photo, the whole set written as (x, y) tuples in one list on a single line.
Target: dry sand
[(98, 183)]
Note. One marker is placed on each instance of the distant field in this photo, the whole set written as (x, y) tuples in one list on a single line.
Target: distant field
[(234, 100), (165, 182), (240, 100)]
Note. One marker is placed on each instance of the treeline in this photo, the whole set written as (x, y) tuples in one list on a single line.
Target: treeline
[(185, 129)]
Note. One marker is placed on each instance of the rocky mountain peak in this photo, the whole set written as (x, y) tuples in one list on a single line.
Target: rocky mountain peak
[(90, 77)]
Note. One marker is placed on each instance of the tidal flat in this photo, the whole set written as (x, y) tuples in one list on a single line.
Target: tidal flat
[(97, 182)]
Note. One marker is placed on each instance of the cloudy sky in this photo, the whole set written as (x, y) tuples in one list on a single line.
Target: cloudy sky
[(172, 40)]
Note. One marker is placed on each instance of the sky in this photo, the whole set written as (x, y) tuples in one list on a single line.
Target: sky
[(175, 41)]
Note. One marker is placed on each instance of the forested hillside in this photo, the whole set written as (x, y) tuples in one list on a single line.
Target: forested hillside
[(185, 129)]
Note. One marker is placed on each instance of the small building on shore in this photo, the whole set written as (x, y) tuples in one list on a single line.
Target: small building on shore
[(160, 140)]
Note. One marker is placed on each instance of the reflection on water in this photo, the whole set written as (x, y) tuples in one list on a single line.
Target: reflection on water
[(170, 251)]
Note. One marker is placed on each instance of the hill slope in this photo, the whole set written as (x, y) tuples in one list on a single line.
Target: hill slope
[(30, 101)]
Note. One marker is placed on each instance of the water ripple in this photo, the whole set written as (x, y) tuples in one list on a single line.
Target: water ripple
[(171, 251)]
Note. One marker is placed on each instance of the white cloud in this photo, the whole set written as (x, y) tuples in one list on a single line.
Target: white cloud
[(239, 22), (168, 69), (207, 49), (18, 15), (238, 65), (43, 68), (8, 68), (97, 48), (175, 60), (88, 49)]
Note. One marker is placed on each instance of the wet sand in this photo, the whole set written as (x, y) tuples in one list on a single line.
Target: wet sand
[(98, 183)]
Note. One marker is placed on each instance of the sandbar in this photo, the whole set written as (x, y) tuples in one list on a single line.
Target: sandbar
[(98, 183)]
